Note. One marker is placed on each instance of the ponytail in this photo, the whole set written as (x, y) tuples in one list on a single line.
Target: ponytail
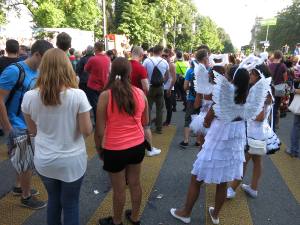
[(241, 83), (120, 86)]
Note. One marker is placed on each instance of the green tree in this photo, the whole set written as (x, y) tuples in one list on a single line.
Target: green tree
[(79, 14), (137, 22), (207, 33), (286, 31), (226, 41)]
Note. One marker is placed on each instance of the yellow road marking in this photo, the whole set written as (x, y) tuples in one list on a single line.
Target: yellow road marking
[(150, 171), (11, 212), (233, 212), (289, 170)]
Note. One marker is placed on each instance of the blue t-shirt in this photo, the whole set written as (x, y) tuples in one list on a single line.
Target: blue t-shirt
[(8, 79), (190, 76)]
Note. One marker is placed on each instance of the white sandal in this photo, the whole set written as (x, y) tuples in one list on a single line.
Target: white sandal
[(182, 219), (210, 211)]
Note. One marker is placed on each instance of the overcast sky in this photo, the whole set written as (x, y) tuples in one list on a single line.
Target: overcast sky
[(238, 16)]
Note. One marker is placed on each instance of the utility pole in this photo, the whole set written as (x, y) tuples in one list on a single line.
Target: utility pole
[(175, 27), (267, 34), (104, 23)]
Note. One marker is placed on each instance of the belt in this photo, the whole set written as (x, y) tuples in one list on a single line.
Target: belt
[(206, 97)]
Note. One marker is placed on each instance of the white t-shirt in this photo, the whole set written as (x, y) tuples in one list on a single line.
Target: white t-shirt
[(202, 80), (60, 151), (161, 63)]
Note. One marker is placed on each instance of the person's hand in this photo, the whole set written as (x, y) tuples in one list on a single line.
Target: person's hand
[(169, 92), (8, 131), (100, 152)]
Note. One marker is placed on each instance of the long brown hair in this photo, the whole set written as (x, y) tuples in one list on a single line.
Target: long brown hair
[(56, 72), (120, 86)]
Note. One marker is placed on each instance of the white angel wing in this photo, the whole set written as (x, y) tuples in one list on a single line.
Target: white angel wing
[(223, 96), (256, 98), (225, 107)]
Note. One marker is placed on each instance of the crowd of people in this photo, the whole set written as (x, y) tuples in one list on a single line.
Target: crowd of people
[(53, 98)]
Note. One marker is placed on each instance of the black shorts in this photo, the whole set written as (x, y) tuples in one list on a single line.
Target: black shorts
[(189, 112), (116, 161)]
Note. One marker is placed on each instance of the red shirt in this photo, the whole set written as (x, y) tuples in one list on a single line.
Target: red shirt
[(98, 67), (138, 73)]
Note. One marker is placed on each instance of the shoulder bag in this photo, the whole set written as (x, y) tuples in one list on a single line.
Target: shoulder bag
[(279, 89), (295, 105)]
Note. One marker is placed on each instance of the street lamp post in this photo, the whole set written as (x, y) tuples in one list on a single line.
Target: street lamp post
[(104, 23)]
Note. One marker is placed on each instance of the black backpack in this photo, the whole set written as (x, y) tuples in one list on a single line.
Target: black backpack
[(157, 78)]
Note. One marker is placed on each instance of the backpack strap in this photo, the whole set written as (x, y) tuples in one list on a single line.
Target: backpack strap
[(157, 63), (18, 84)]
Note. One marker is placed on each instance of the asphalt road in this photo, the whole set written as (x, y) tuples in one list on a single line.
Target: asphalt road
[(165, 181)]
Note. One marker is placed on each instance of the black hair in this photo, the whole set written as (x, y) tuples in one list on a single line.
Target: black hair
[(121, 88), (178, 54), (12, 46), (72, 51), (288, 63), (158, 49), (241, 83), (264, 69), (201, 54), (40, 46), (150, 50), (205, 47), (63, 41), (145, 46)]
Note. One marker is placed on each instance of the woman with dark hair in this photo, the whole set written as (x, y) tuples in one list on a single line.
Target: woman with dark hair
[(260, 131), (222, 155), (119, 136)]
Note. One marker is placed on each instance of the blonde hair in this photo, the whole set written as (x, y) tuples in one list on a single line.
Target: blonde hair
[(55, 73)]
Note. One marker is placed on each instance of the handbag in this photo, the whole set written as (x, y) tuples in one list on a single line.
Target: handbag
[(280, 90), (257, 147), (295, 105), (23, 153)]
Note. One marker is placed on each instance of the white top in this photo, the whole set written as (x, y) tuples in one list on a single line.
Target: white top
[(258, 130), (60, 151), (202, 79), (149, 64), (168, 83)]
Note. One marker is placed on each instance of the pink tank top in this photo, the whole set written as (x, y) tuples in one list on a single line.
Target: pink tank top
[(123, 131)]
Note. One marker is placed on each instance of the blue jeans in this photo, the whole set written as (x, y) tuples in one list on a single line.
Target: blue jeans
[(295, 135), (62, 197)]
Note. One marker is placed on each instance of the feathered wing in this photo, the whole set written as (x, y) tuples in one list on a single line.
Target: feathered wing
[(225, 107), (223, 97), (256, 98)]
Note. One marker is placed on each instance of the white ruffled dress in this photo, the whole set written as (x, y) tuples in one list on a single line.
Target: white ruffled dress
[(197, 120), (222, 155), (203, 87), (263, 131)]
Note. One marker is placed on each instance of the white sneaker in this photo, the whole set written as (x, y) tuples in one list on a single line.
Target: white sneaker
[(154, 151), (230, 193), (213, 220), (249, 190), (182, 219)]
